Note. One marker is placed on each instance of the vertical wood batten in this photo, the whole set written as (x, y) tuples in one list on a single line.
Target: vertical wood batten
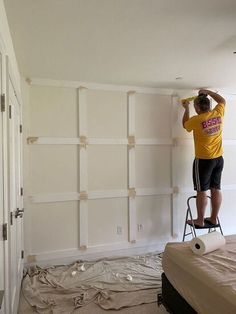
[(131, 167), (174, 196), (83, 171)]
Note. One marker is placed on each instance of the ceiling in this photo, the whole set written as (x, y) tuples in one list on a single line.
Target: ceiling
[(135, 42)]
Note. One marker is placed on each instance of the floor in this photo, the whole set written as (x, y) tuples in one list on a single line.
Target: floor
[(116, 285), (151, 308)]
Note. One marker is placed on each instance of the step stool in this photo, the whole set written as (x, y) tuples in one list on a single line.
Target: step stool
[(192, 227)]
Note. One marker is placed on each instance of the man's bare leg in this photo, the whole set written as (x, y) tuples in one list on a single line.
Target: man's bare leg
[(216, 200), (201, 203)]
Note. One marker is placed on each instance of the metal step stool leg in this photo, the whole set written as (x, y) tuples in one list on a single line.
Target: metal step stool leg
[(189, 214)]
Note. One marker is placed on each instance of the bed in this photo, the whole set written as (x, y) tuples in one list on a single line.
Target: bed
[(199, 284)]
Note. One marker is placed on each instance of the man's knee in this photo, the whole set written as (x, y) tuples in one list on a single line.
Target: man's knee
[(202, 193), (215, 191)]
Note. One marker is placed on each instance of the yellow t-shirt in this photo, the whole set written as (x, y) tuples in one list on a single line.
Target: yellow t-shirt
[(207, 132)]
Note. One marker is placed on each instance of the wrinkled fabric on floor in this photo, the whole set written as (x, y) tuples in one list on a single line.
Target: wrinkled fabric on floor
[(111, 284)]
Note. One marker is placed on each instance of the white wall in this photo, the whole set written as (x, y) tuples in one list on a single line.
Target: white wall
[(56, 171), (55, 227), (6, 41)]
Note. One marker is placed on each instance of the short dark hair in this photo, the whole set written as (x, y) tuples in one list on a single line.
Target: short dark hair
[(203, 102)]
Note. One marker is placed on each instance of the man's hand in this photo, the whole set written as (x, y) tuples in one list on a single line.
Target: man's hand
[(204, 91), (215, 96)]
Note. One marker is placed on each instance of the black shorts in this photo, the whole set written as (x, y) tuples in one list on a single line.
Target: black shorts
[(207, 173)]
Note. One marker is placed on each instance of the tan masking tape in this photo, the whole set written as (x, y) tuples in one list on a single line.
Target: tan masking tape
[(32, 140), (83, 247), (83, 141), (31, 258), (175, 189), (131, 141), (132, 193), (131, 92), (83, 196)]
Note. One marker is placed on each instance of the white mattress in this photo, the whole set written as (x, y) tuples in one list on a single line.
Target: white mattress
[(207, 283)]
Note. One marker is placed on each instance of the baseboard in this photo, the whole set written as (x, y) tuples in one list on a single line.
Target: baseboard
[(64, 257)]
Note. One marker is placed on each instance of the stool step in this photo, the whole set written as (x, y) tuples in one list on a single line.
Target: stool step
[(189, 219), (206, 226)]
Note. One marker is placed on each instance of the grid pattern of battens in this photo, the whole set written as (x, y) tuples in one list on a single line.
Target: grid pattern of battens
[(83, 141)]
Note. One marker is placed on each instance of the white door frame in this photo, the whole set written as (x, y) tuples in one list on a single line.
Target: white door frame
[(5, 307), (15, 243)]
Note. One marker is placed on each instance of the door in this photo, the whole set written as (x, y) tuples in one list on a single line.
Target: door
[(15, 200), (2, 256)]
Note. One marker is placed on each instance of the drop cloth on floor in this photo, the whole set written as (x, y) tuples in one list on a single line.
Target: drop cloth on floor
[(111, 284)]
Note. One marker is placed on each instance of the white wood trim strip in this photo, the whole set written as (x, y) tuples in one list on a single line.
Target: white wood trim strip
[(132, 223), (57, 197), (83, 224), (41, 140), (97, 86), (153, 191), (53, 140), (83, 171), (153, 141), (107, 194), (132, 220), (107, 141), (173, 178), (99, 194), (34, 140)]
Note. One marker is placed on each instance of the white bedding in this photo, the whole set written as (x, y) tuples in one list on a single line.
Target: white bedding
[(208, 283)]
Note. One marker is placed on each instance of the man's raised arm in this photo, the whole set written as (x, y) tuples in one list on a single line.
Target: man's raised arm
[(185, 104), (219, 99)]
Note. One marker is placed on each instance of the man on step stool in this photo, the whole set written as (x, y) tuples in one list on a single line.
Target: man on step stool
[(208, 163)]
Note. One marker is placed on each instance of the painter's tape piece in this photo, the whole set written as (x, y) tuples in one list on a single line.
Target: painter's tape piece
[(132, 192), (83, 141), (175, 189), (32, 140), (28, 80), (83, 196), (82, 88), (175, 141), (131, 141), (31, 259), (131, 92), (83, 247)]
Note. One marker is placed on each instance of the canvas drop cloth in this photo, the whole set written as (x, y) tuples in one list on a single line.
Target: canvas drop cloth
[(111, 284)]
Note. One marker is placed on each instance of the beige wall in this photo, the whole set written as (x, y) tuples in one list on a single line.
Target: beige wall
[(53, 227), (6, 41), (54, 169)]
